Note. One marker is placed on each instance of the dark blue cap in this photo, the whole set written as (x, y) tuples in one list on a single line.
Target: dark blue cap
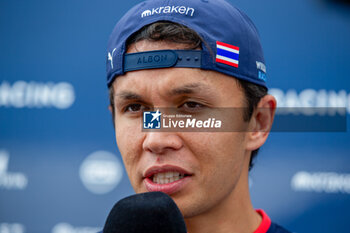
[(231, 41)]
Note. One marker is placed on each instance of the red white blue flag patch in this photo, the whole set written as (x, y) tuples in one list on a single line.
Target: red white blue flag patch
[(227, 54)]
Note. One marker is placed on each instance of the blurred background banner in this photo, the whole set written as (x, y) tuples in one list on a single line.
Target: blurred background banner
[(60, 169)]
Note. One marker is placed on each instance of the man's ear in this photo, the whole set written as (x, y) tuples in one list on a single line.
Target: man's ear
[(261, 122), (111, 110)]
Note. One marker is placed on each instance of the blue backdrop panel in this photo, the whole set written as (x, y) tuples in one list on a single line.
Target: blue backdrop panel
[(60, 169)]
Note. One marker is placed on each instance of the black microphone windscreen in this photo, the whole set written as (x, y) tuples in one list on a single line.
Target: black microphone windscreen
[(152, 212)]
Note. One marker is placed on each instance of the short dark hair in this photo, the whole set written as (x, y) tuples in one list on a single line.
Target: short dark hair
[(177, 33)]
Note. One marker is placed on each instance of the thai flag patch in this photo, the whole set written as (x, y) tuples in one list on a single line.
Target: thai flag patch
[(227, 54)]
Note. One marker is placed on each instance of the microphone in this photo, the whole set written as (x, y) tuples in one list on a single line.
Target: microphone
[(152, 212)]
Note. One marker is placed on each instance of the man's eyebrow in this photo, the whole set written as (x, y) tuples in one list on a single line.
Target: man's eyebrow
[(188, 89), (128, 95)]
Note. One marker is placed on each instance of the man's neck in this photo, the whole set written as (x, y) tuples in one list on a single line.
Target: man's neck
[(233, 215)]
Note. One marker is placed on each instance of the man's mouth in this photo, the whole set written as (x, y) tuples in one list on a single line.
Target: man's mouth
[(167, 177)]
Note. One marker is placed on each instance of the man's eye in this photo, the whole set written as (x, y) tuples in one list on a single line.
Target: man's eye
[(192, 106), (134, 108)]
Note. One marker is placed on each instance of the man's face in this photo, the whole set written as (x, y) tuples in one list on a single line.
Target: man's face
[(203, 169)]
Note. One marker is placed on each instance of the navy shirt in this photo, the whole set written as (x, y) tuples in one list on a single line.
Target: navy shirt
[(275, 228), (266, 226)]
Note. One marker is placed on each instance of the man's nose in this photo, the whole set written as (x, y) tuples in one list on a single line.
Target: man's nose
[(160, 142)]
